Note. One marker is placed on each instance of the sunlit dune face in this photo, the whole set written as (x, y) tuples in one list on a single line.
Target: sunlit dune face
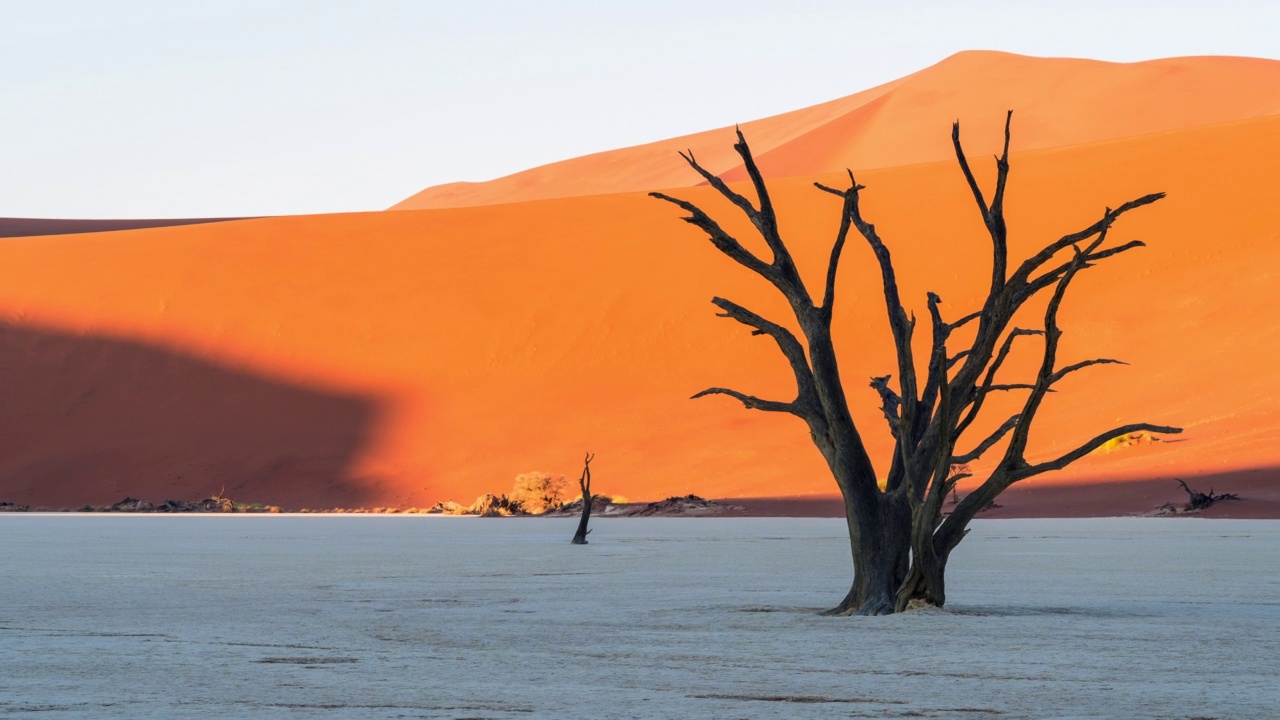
[(397, 359)]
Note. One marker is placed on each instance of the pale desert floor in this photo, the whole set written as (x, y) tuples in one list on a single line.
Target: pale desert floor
[(409, 616)]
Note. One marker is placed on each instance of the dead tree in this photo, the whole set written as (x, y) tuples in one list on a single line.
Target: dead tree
[(899, 538), (584, 482), (1197, 500)]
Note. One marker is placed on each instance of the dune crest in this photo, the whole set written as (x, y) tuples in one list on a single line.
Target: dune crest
[(1060, 102)]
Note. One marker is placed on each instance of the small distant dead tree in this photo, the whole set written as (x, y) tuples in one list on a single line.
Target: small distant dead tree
[(584, 482), (1197, 500), (899, 538)]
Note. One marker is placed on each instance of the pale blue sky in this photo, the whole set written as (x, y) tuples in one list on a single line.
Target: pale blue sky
[(172, 109)]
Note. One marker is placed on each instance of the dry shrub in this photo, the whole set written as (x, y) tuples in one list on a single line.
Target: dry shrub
[(538, 492), (1125, 441)]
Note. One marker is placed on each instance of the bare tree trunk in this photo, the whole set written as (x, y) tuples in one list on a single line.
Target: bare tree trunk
[(584, 482), (881, 558)]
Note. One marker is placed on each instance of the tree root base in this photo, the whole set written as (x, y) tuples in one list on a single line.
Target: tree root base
[(863, 610)]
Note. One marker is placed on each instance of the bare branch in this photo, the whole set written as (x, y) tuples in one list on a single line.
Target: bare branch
[(986, 444), (766, 221), (1035, 261), (1097, 442), (968, 173), (938, 362), (995, 223), (899, 323), (784, 274), (1014, 463), (984, 389), (890, 403), (746, 317), (1002, 176), (952, 327), (1082, 365), (993, 214), (723, 241), (966, 320), (833, 191), (1052, 276), (787, 343), (1018, 442), (846, 219), (750, 401), (1102, 254), (714, 181)]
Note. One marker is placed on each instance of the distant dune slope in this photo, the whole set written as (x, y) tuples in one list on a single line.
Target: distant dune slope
[(410, 357), (1059, 102)]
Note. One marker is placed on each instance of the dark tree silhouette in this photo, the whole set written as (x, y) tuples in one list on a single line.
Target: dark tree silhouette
[(1197, 500), (899, 537), (584, 482)]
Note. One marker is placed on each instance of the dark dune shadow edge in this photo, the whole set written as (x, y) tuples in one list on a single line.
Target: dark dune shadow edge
[(87, 419), (32, 227), (1258, 488)]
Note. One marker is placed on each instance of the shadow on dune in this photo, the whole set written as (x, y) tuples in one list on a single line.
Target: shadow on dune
[(31, 227), (1258, 488), (91, 419)]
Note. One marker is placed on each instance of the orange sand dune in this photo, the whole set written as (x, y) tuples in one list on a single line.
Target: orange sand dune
[(1059, 102), (403, 358)]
